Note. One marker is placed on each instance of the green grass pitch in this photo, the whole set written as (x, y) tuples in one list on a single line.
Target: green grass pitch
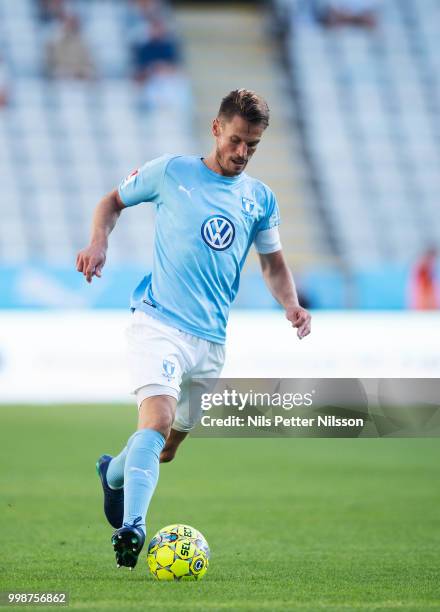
[(293, 524)]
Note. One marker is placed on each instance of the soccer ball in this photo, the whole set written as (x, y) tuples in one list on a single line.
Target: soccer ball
[(178, 552)]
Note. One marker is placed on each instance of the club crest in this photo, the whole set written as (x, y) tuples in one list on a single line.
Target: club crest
[(168, 368), (247, 206)]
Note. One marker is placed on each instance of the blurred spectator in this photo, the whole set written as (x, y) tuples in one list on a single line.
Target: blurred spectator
[(67, 53), (156, 57), (139, 17), (424, 284), (159, 46), (361, 13), (4, 84)]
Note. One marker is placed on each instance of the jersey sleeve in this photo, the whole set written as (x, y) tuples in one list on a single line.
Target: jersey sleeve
[(272, 217), (145, 183)]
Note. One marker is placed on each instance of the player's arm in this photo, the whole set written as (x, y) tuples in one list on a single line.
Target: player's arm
[(91, 260), (142, 185), (280, 281)]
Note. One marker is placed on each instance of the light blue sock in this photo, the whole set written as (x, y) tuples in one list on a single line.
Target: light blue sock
[(141, 474), (115, 472)]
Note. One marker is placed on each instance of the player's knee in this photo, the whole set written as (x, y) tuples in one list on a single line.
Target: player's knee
[(157, 413)]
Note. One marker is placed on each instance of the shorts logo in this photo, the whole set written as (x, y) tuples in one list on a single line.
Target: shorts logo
[(247, 206), (168, 369), (218, 232)]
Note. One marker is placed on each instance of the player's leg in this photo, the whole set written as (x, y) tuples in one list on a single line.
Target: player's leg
[(115, 471), (111, 469), (158, 357), (151, 346), (141, 474), (174, 440), (111, 472)]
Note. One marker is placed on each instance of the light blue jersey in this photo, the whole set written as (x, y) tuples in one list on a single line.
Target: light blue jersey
[(205, 226)]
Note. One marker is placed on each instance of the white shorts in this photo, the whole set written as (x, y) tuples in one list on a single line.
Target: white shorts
[(164, 360)]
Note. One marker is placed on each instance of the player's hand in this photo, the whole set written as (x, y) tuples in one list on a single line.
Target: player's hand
[(90, 261), (300, 318)]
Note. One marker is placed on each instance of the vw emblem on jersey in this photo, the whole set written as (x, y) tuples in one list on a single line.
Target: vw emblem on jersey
[(247, 206), (218, 232), (168, 369)]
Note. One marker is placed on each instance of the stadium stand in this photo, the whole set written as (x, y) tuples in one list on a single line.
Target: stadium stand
[(368, 106), (64, 142)]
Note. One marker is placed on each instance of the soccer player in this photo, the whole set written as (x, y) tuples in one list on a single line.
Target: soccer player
[(209, 213)]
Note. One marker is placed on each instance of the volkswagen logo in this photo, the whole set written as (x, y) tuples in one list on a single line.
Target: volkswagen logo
[(218, 232)]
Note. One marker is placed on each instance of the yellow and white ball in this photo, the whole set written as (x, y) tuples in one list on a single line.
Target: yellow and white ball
[(178, 552)]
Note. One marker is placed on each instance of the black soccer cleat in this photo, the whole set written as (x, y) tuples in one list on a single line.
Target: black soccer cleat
[(127, 544), (113, 498)]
